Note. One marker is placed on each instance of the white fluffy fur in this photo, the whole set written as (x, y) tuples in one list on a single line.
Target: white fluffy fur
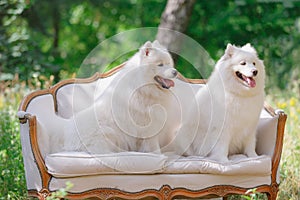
[(134, 112), (224, 116)]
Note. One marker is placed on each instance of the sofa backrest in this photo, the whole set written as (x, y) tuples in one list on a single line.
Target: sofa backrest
[(71, 96), (74, 97)]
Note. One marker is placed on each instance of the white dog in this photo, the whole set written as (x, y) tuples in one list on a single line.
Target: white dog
[(224, 115), (134, 112)]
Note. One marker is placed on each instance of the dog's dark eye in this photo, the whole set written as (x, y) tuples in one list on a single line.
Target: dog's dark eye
[(254, 63), (243, 63), (160, 64)]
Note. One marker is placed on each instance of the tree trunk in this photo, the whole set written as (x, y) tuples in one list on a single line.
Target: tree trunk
[(56, 28), (174, 19)]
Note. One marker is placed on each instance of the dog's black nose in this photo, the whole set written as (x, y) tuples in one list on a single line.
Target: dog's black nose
[(174, 72), (254, 72)]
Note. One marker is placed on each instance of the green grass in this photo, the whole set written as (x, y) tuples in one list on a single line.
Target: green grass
[(12, 178), (12, 175), (290, 160)]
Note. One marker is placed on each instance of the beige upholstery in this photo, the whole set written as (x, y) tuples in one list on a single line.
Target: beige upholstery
[(74, 164), (137, 183), (146, 171)]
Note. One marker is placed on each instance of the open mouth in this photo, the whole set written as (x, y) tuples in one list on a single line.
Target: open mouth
[(248, 81), (163, 82)]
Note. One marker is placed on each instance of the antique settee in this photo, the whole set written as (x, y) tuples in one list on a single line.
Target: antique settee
[(144, 174)]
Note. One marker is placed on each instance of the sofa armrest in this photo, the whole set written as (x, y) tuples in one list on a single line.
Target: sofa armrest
[(270, 137), (282, 117), (33, 160)]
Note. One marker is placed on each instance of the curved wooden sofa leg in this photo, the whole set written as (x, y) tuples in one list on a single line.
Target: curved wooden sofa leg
[(41, 195), (272, 196)]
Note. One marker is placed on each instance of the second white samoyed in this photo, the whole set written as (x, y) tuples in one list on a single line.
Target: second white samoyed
[(228, 108), (134, 112)]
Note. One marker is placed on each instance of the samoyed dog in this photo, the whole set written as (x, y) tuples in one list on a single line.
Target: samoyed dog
[(224, 115), (134, 113)]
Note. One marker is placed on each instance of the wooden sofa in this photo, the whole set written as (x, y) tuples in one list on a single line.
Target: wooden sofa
[(48, 170)]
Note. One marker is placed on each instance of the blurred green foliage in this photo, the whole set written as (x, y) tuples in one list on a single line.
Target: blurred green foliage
[(273, 27), (40, 37)]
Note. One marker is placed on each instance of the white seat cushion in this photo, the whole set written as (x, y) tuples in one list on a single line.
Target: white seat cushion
[(237, 165), (74, 164)]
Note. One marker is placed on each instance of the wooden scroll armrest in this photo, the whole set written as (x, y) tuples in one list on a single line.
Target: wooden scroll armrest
[(279, 142), (282, 117), (25, 117)]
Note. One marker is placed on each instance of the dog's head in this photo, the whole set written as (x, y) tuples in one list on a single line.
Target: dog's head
[(243, 65), (158, 64)]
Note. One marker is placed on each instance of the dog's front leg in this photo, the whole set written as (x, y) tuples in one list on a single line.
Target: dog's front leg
[(219, 156), (150, 145), (249, 146), (220, 151)]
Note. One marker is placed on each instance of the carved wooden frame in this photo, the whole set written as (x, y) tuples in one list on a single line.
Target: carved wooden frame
[(165, 192)]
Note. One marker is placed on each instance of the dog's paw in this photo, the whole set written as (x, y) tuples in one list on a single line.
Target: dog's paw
[(219, 158), (251, 154)]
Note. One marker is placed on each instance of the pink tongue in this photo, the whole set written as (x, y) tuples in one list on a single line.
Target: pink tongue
[(167, 82), (251, 82)]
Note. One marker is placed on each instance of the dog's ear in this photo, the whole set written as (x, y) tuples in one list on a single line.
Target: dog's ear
[(247, 47), (156, 44), (146, 48), (230, 49)]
